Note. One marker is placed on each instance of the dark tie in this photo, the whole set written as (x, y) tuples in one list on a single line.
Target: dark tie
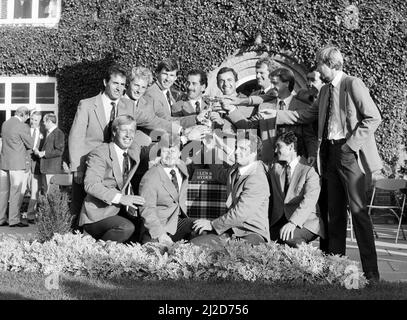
[(235, 177), (197, 107), (282, 105), (126, 168), (174, 179), (168, 98), (262, 92), (287, 179), (109, 125), (113, 111), (328, 113)]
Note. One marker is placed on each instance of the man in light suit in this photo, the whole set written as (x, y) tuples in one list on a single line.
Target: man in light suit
[(247, 203), (34, 181), (347, 119), (164, 187), (92, 126), (282, 83), (104, 214), (51, 150), (294, 215), (15, 161)]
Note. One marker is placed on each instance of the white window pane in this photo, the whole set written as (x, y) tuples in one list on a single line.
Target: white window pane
[(20, 93), (22, 9), (3, 9), (47, 9), (45, 93)]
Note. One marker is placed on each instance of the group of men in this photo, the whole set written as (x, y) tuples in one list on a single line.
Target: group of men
[(131, 177), (31, 154)]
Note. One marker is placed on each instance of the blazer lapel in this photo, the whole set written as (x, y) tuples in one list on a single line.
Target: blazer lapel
[(294, 181), (277, 177), (167, 184), (100, 112), (342, 100), (117, 173)]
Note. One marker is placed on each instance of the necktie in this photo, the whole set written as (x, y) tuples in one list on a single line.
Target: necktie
[(126, 168), (36, 136), (174, 179), (197, 108), (262, 92), (235, 177), (168, 98), (282, 105), (328, 114), (113, 111), (112, 116), (287, 179)]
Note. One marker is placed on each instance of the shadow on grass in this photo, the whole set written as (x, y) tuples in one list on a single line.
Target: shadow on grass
[(12, 296)]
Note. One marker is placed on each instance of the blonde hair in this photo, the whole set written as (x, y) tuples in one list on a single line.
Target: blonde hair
[(331, 56)]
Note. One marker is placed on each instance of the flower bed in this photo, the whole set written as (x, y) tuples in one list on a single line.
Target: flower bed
[(75, 254)]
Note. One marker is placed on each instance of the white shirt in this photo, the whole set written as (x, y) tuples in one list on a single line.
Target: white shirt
[(107, 105), (287, 101), (177, 175), (335, 127), (36, 133), (244, 169), (293, 164), (119, 152)]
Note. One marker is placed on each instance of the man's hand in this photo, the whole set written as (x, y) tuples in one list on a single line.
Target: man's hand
[(165, 239), (311, 160), (287, 231), (268, 113), (78, 177), (201, 225), (197, 132), (215, 117), (132, 201)]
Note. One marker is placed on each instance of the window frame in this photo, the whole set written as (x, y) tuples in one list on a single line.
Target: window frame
[(34, 20)]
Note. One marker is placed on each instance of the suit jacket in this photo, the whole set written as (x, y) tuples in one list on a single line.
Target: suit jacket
[(247, 201), (90, 128), (360, 118), (54, 146), (163, 202), (268, 129), (157, 101), (103, 181), (16, 140), (299, 205), (184, 112)]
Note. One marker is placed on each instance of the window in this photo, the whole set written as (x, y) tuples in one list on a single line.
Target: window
[(35, 92), (36, 12)]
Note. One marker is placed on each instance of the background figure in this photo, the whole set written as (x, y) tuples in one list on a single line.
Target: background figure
[(164, 187), (51, 150), (34, 180), (16, 140), (294, 214), (105, 212)]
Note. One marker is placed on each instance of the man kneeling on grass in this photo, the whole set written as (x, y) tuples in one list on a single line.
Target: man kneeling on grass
[(247, 203)]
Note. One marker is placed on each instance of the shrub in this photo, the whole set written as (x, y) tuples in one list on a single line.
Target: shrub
[(54, 215)]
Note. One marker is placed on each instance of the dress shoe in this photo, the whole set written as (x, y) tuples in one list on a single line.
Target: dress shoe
[(4, 224), (20, 225), (372, 276)]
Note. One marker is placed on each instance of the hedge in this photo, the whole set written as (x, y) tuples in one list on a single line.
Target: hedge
[(202, 33)]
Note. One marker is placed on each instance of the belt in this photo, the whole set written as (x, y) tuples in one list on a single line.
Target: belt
[(334, 142)]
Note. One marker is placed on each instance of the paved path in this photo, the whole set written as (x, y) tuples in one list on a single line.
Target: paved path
[(392, 258)]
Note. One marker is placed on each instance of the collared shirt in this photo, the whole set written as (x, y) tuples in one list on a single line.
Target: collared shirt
[(193, 103), (119, 152), (177, 174), (35, 132), (293, 164), (287, 101), (243, 170), (335, 127), (107, 106)]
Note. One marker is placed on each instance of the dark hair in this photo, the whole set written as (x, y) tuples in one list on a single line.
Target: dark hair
[(224, 70), (202, 75), (114, 69), (288, 138), (168, 64), (285, 75)]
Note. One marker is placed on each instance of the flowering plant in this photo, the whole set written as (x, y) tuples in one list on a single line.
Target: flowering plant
[(80, 255)]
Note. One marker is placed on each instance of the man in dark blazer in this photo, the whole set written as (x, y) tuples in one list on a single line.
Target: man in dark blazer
[(15, 161), (347, 119), (247, 203), (105, 211), (164, 187), (92, 123), (51, 150), (294, 214)]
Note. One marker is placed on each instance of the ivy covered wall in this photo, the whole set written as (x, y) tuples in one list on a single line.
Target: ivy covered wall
[(372, 35)]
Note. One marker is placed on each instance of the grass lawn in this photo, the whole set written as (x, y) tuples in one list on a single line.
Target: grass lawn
[(30, 286)]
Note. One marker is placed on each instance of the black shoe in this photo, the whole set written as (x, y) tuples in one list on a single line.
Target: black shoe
[(372, 276), (4, 224), (31, 221), (20, 225)]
